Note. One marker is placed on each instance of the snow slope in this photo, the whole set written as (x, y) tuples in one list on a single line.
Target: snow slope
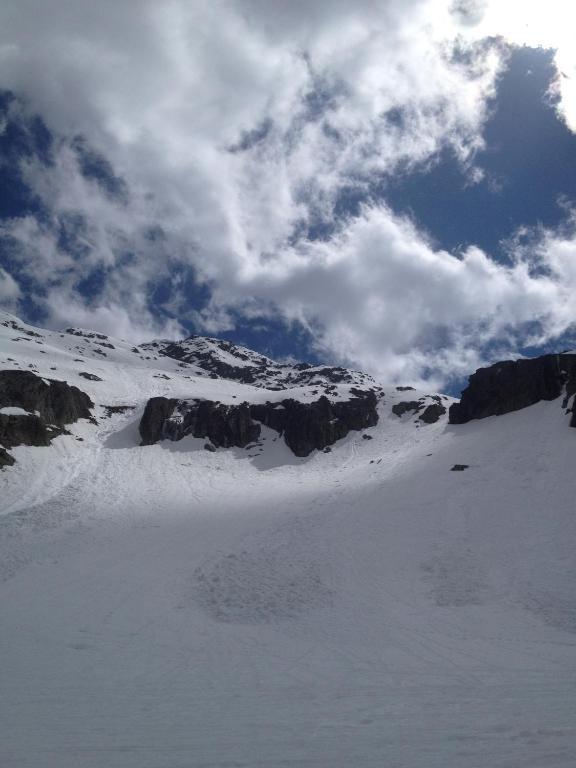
[(167, 607)]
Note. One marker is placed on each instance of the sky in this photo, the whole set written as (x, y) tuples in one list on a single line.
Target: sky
[(385, 184)]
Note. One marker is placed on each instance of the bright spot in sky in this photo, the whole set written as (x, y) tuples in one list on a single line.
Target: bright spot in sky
[(536, 24)]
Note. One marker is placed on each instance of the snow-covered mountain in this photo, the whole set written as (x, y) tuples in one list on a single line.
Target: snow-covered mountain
[(211, 559)]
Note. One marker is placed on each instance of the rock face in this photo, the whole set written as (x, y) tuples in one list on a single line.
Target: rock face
[(313, 426), (6, 460), (25, 430), (432, 413), (49, 405), (512, 385), (305, 426), (55, 401), (399, 409), (157, 412), (224, 425)]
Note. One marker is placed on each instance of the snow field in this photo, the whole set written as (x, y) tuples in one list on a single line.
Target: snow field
[(167, 607)]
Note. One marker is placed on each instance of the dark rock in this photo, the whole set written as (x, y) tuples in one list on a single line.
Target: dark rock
[(6, 460), (305, 426), (313, 426), (208, 361), (111, 410), (158, 410), (366, 437), (224, 425), (512, 385), (86, 334), (25, 430), (248, 367), (12, 324), (404, 389), (89, 376), (404, 407), (432, 413), (459, 467), (55, 401), (209, 447)]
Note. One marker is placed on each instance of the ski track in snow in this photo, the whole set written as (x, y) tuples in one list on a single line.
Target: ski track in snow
[(166, 607)]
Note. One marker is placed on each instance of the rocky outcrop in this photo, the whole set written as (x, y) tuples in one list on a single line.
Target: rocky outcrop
[(246, 374), (25, 430), (56, 402), (399, 409), (6, 460), (512, 385), (47, 407), (314, 426), (156, 413), (224, 425), (305, 426), (432, 413)]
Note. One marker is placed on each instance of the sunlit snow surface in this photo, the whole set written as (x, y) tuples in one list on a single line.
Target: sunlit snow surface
[(168, 607)]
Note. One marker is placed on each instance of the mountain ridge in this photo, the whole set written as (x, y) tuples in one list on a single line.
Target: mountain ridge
[(321, 403)]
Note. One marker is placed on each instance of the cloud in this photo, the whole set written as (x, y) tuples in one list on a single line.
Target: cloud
[(535, 24), (86, 257), (232, 131), (385, 299), (9, 290)]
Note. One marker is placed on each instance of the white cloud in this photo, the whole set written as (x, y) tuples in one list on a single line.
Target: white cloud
[(9, 290), (112, 318), (237, 124), (384, 299)]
